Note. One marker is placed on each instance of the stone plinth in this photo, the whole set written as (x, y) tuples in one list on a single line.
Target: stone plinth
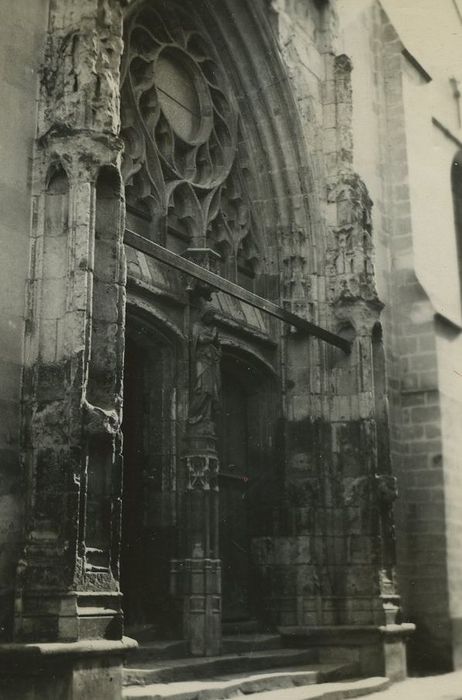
[(378, 650), (60, 671), (198, 583)]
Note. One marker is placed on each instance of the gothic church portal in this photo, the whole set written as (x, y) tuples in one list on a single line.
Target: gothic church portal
[(205, 429)]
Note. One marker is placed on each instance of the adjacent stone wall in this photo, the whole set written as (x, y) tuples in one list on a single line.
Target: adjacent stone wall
[(22, 35), (449, 348)]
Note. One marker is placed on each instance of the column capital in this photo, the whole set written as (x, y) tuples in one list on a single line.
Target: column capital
[(81, 153)]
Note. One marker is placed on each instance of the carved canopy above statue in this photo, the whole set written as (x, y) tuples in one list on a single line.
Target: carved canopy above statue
[(183, 168)]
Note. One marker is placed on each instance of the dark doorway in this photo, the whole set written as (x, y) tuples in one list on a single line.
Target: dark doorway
[(248, 483), (147, 517), (234, 478)]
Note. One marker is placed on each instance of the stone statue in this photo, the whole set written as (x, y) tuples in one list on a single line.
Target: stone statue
[(206, 383)]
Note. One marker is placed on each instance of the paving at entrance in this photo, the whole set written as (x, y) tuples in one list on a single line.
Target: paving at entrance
[(253, 665), (201, 691), (442, 687), (445, 687), (256, 665)]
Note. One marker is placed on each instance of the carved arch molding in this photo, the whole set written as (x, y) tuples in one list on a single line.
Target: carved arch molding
[(185, 163)]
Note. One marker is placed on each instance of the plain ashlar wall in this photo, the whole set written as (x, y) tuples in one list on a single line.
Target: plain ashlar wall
[(450, 386), (430, 156), (431, 153), (433, 35), (22, 37)]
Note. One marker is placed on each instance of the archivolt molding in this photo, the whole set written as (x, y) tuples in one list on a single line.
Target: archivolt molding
[(141, 308), (294, 142), (247, 353)]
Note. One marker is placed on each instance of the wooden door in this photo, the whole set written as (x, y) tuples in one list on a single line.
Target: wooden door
[(234, 480), (147, 535)]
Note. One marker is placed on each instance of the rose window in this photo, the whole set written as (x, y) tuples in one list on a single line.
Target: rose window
[(180, 126)]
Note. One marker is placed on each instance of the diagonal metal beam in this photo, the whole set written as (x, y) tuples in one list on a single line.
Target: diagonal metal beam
[(154, 250)]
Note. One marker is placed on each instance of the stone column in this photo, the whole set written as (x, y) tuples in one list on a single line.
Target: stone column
[(68, 602), (72, 397), (196, 577)]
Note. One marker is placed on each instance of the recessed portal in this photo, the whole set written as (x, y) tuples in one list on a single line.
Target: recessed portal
[(148, 516), (246, 432), (234, 479)]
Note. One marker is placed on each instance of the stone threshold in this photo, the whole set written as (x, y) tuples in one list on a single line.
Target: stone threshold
[(168, 671), (239, 684)]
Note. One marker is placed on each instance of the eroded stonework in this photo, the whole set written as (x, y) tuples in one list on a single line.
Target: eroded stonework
[(182, 166), (237, 471)]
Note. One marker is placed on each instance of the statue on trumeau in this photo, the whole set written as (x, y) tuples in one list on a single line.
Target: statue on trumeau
[(206, 380)]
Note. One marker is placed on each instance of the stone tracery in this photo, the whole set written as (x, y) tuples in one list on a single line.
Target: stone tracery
[(180, 125)]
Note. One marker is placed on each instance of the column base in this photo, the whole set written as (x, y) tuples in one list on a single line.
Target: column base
[(70, 616), (197, 583), (63, 671), (378, 650)]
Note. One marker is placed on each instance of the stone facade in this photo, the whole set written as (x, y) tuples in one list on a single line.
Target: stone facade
[(174, 457)]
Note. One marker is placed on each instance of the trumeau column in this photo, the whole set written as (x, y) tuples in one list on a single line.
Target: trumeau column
[(67, 580), (196, 577)]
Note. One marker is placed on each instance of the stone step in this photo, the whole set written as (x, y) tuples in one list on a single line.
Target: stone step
[(142, 633), (339, 690), (274, 683), (248, 643), (174, 670), (234, 644), (159, 650), (241, 627)]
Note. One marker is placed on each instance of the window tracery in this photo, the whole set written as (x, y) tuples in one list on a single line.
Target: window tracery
[(182, 169)]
